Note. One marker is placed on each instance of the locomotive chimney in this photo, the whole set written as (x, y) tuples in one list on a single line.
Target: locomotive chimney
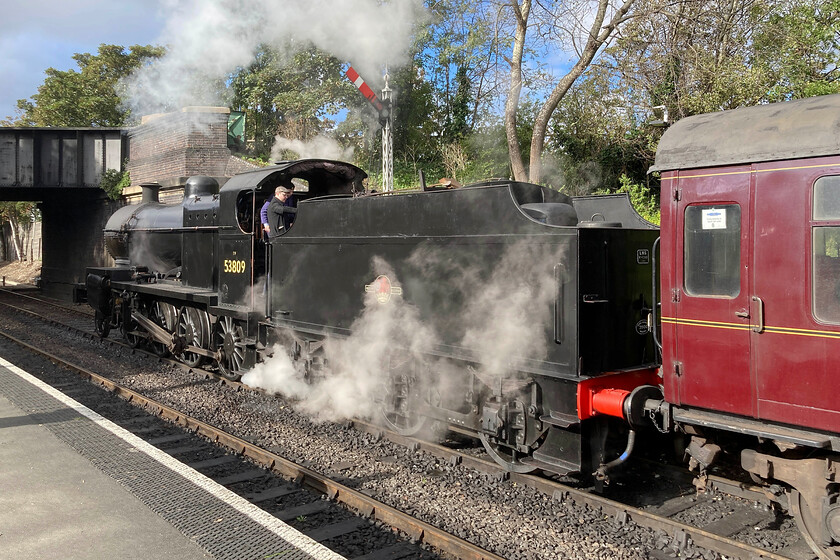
[(150, 192)]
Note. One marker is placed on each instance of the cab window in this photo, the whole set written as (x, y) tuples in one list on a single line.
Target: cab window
[(245, 211), (712, 256)]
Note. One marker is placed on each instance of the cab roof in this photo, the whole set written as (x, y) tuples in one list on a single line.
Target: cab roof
[(325, 177)]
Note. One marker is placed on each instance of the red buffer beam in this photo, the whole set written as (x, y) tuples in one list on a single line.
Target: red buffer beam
[(365, 89)]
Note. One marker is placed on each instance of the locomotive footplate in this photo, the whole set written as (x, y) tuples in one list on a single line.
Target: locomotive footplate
[(167, 289)]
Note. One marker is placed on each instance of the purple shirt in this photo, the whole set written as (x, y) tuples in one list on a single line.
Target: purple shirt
[(264, 212)]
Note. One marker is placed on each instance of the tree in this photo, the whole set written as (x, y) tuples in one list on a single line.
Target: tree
[(20, 216), (699, 57), (798, 42), (690, 57), (296, 96), (458, 53), (89, 96), (552, 21), (595, 137)]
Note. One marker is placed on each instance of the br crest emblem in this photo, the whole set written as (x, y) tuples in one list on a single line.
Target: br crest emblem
[(383, 289)]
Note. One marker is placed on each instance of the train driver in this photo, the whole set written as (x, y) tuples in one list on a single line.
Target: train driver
[(280, 211)]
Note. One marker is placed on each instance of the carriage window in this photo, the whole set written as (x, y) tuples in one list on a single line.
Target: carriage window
[(712, 260), (826, 276), (827, 198)]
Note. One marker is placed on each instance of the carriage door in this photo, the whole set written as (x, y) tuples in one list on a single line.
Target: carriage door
[(710, 298)]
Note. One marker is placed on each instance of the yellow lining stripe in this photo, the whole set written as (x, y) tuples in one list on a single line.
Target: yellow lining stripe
[(736, 326), (752, 171), (711, 324)]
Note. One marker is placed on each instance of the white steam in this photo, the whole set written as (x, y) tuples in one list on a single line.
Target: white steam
[(359, 366), (208, 39), (320, 147), (499, 314)]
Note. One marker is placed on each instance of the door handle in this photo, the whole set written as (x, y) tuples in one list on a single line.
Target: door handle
[(759, 326), (742, 314)]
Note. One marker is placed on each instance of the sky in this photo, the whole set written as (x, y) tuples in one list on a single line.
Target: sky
[(205, 40), (39, 34)]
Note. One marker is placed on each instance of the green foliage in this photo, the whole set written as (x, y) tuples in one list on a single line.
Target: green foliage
[(20, 216), (294, 97), (490, 158), (644, 201), (113, 182), (708, 56), (262, 162), (594, 139), (19, 212), (797, 44), (89, 96)]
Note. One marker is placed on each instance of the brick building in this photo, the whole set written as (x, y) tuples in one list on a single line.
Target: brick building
[(169, 148), (165, 149)]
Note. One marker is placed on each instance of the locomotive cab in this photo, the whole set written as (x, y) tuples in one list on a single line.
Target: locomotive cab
[(244, 257)]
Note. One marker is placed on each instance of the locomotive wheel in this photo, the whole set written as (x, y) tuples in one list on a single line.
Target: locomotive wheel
[(162, 314), (101, 324), (194, 327), (400, 407), (509, 458), (229, 339), (811, 526), (130, 330)]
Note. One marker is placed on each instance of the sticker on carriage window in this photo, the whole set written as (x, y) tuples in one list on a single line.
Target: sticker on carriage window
[(234, 266), (714, 218)]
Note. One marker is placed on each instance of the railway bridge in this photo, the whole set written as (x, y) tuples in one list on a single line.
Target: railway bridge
[(61, 170)]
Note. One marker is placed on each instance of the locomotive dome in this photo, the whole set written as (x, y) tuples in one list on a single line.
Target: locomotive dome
[(791, 130)]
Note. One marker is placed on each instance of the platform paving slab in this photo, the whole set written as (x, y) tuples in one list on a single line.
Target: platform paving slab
[(75, 485)]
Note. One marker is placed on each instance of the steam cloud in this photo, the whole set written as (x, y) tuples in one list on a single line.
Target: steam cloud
[(321, 147), (207, 40), (499, 319), (359, 365)]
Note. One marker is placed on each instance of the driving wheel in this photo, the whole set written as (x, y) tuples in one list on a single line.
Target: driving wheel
[(193, 327), (230, 341)]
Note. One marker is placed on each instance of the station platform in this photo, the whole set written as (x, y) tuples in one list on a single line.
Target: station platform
[(74, 485)]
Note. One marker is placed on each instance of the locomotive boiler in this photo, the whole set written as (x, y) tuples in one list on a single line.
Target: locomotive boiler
[(556, 330)]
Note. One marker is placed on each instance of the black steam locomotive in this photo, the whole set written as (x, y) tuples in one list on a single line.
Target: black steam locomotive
[(497, 299)]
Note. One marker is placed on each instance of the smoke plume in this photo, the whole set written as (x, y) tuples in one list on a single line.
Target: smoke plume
[(209, 39), (359, 366)]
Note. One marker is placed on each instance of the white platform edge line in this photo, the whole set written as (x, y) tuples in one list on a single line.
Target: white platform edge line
[(240, 504)]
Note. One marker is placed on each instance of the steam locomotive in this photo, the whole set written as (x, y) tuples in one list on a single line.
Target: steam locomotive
[(556, 330)]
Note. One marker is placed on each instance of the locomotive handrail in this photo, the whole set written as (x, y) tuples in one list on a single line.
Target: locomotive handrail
[(654, 302), (558, 304)]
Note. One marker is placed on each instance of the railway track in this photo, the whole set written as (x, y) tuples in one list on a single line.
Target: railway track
[(675, 537), (262, 476)]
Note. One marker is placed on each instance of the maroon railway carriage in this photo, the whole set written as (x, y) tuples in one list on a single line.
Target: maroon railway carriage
[(750, 292)]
